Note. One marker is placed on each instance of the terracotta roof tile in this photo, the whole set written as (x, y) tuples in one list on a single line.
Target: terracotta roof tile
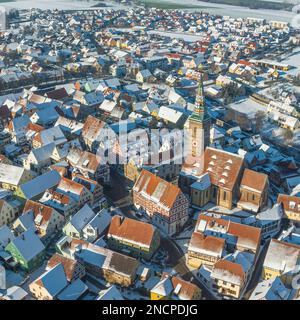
[(68, 264), (131, 230), (254, 180), (153, 185)]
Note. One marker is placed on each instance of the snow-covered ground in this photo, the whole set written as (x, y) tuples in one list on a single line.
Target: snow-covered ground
[(56, 4), (294, 61), (176, 35), (213, 8), (238, 12), (248, 107)]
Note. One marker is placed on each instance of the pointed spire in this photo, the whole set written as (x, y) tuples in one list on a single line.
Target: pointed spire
[(200, 111)]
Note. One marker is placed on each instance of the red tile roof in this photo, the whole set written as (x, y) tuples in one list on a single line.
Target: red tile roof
[(131, 230), (254, 180), (150, 184)]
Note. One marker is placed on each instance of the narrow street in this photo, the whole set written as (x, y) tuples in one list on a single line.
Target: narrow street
[(258, 270)]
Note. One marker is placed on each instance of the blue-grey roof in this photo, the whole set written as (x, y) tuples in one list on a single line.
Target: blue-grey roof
[(54, 280), (40, 184), (92, 257), (5, 235), (43, 153), (82, 217), (29, 245), (73, 291)]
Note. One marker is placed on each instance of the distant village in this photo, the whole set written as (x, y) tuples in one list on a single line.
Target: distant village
[(222, 223)]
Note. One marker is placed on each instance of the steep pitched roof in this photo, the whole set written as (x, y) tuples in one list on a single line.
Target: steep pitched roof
[(53, 280), (92, 127), (290, 203), (157, 189), (68, 264), (223, 167), (254, 180), (228, 271), (131, 230), (29, 245)]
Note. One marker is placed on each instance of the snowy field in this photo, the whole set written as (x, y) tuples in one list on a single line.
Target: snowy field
[(55, 4), (213, 8), (238, 12), (294, 60)]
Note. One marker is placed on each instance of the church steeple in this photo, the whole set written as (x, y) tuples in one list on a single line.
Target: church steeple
[(199, 123), (200, 112)]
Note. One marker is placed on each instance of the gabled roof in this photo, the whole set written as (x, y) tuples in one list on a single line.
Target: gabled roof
[(282, 256), (11, 174), (28, 244), (68, 264), (254, 181), (40, 184), (82, 217), (53, 280), (92, 127), (131, 230), (289, 203), (228, 271), (157, 189)]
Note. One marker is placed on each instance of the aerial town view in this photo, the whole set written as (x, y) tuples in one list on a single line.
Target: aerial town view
[(149, 150)]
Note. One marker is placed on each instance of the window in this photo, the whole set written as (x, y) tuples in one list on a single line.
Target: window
[(224, 195)]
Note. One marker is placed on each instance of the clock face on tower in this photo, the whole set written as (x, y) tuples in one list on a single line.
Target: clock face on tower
[(195, 144)]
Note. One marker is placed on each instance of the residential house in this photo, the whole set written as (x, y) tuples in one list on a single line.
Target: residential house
[(213, 237), (46, 220), (282, 260), (270, 221), (89, 165), (73, 269), (165, 204), (290, 205), (78, 192), (91, 133), (11, 177), (52, 135), (39, 158), (97, 226), (27, 250), (85, 224), (100, 262), (272, 289), (60, 202), (74, 228), (36, 187), (174, 288), (254, 191), (139, 239), (49, 284), (94, 187), (229, 278), (9, 209)]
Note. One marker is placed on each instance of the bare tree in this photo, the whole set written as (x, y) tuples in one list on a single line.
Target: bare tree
[(288, 134), (260, 118)]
